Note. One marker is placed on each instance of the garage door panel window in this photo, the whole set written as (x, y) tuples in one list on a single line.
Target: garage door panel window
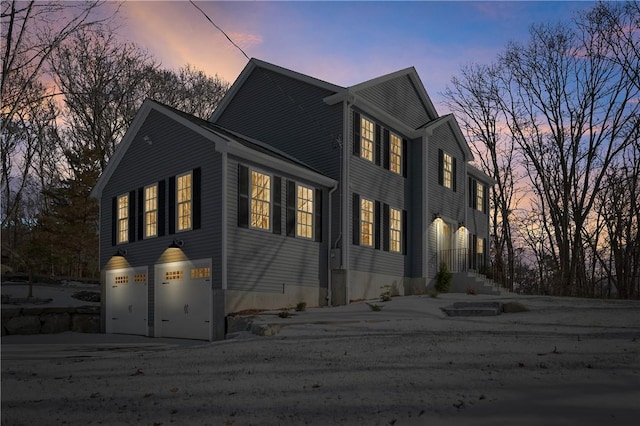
[(199, 273), (174, 275)]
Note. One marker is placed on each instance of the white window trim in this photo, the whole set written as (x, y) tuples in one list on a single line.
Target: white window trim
[(372, 223), (145, 211), (447, 173), (392, 155), (363, 120), (190, 172), (479, 196), (311, 213), (251, 170), (398, 230), (120, 220)]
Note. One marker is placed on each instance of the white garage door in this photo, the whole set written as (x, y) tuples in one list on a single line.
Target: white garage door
[(183, 299), (126, 303)]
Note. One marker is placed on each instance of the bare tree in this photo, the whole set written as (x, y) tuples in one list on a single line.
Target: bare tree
[(475, 98), (30, 32), (572, 111), (102, 82), (189, 90)]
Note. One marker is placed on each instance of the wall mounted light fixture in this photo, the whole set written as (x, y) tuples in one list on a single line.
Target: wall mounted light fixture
[(120, 253), (436, 216), (176, 244)]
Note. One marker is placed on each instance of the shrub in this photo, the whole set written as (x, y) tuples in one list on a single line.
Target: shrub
[(471, 291), (443, 279), (301, 307), (375, 307), (385, 296)]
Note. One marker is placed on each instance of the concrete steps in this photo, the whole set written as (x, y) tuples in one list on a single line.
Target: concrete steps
[(464, 282), (473, 309)]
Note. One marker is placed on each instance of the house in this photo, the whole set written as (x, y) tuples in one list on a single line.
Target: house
[(296, 190)]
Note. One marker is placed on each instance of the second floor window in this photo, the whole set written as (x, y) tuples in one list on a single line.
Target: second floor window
[(123, 218), (260, 200), (367, 138), (447, 170), (479, 196), (395, 153), (184, 200), (151, 211)]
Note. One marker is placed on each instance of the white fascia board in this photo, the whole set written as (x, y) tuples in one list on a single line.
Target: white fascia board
[(239, 150), (476, 172)]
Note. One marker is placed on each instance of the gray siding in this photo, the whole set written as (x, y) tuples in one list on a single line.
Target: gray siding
[(265, 262), (400, 99), (290, 115), (417, 176), (174, 149), (446, 202), (374, 182)]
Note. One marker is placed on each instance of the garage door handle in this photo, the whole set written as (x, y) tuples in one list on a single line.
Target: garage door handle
[(165, 320), (166, 282)]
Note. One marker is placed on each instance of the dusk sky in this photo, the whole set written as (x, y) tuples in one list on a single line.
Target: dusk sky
[(344, 43)]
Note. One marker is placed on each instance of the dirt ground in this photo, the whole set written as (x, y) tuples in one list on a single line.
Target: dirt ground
[(564, 362)]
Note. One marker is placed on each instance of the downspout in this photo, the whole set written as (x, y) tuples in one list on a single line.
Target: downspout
[(345, 196), (329, 248), (223, 218)]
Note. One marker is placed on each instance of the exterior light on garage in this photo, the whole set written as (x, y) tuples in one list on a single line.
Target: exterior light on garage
[(436, 216), (176, 244), (120, 253)]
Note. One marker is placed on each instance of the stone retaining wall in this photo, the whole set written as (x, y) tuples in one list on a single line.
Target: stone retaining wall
[(83, 319)]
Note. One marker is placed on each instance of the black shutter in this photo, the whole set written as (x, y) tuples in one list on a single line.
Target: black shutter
[(404, 158), (243, 196), (356, 219), (162, 208), (485, 199), (172, 205), (404, 232), (114, 221), (197, 198), (356, 133), (132, 216), (471, 186), (377, 144), (440, 167), (385, 227), (140, 213), (470, 251), (291, 208), (386, 149), (318, 215), (474, 251), (454, 174), (277, 205), (376, 224)]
